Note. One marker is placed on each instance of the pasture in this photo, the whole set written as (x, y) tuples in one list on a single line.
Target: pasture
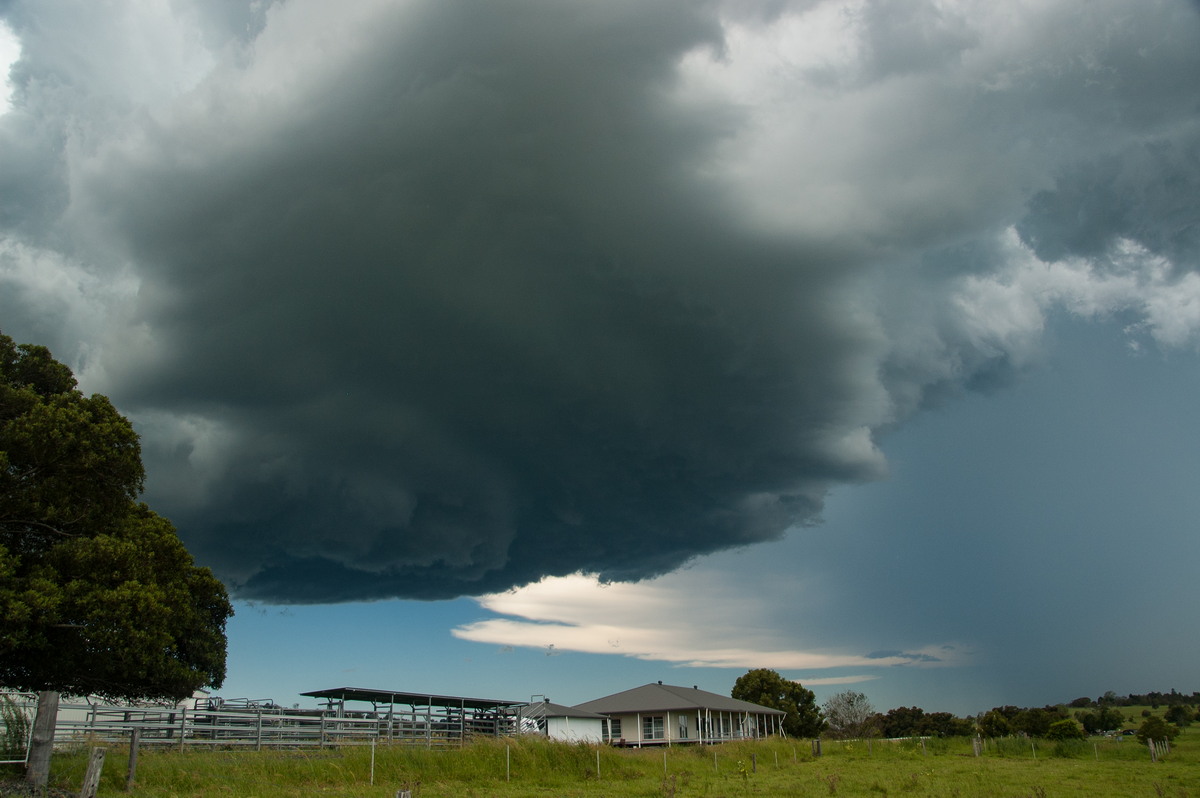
[(500, 768)]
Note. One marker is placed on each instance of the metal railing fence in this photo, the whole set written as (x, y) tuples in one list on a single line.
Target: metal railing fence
[(259, 728)]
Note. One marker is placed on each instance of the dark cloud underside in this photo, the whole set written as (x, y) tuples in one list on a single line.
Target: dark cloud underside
[(439, 298)]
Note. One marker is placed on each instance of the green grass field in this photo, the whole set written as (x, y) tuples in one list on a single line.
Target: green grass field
[(534, 767)]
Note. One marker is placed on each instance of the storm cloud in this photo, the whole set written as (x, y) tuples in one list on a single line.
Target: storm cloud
[(429, 299)]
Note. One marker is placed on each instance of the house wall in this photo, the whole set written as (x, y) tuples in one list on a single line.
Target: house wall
[(688, 726), (576, 730)]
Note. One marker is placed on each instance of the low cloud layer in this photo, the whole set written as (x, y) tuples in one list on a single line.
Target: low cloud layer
[(429, 299), (642, 620)]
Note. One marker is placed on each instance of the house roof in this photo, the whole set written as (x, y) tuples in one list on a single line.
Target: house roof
[(418, 699), (662, 697), (548, 709)]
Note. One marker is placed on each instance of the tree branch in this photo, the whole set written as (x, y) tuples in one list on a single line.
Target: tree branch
[(38, 524)]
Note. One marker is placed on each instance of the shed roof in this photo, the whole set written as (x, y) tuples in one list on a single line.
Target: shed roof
[(662, 697), (548, 709), (418, 699)]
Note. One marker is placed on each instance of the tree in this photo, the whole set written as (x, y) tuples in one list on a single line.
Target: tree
[(1032, 722), (767, 688), (850, 715), (994, 723), (944, 724), (97, 593), (1105, 718), (903, 722), (1065, 729), (1179, 714), (1155, 728)]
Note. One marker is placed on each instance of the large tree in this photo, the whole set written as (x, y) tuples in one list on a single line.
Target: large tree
[(767, 688), (850, 715), (97, 593)]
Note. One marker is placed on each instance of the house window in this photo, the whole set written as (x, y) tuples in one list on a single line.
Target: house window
[(652, 728), (614, 728), (683, 727)]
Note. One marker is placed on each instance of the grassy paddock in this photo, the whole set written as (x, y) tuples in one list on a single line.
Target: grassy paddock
[(535, 767)]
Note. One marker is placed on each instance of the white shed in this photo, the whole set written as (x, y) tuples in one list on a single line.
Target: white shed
[(559, 722)]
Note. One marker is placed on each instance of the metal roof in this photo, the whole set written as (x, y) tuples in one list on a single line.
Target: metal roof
[(417, 699), (663, 697), (548, 709)]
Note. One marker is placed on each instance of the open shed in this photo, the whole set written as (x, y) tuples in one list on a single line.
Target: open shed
[(423, 718)]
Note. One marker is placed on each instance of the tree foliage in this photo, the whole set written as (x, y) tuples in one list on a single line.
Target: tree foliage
[(1106, 718), (995, 723), (97, 593), (1064, 729), (1179, 714), (1033, 722), (916, 722), (1155, 728), (849, 715), (767, 688)]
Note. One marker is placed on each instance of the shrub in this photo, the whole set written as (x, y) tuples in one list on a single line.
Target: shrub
[(1064, 730), (15, 733)]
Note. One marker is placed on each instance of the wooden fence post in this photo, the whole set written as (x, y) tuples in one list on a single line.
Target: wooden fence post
[(135, 737), (91, 780)]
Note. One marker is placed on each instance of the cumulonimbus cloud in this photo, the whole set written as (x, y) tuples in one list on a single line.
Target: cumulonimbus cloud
[(428, 299)]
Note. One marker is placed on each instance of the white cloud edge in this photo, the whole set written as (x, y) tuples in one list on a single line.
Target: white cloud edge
[(648, 621)]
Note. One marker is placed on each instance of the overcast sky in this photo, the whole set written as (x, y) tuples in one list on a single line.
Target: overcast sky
[(558, 347)]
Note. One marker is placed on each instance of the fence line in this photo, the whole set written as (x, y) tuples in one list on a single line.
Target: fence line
[(258, 728)]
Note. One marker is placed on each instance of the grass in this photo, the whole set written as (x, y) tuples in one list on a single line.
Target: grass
[(535, 767)]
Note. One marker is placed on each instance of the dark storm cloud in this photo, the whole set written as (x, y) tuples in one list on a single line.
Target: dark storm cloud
[(471, 319), (439, 298)]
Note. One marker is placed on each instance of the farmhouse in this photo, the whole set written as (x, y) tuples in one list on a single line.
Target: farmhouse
[(664, 714)]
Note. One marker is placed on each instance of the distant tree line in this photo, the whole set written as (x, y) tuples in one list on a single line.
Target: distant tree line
[(849, 715), (1153, 699)]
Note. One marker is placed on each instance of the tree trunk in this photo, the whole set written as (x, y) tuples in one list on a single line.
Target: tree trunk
[(41, 744)]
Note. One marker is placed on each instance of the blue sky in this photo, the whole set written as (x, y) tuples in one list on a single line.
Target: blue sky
[(544, 348)]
